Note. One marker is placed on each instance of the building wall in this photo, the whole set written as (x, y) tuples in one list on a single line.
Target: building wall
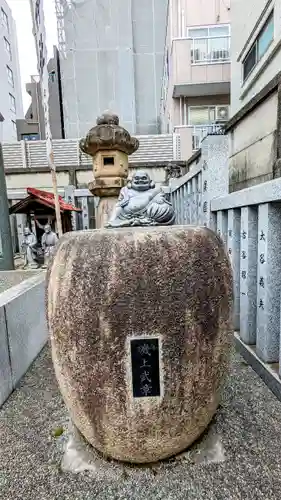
[(32, 126), (252, 146), (27, 128), (17, 182), (114, 60), (179, 70), (185, 13), (34, 122), (36, 180), (254, 149), (247, 19), (55, 98), (9, 132)]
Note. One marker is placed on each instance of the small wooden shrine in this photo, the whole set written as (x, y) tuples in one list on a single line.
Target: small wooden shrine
[(39, 206)]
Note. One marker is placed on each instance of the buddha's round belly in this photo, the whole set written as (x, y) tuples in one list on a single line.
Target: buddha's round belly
[(137, 204)]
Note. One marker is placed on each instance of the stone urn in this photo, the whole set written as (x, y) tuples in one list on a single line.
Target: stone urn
[(140, 326)]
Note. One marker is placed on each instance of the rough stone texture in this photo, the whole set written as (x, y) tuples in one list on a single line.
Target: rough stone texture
[(104, 211), (215, 154), (173, 171), (108, 286), (248, 281), (109, 145), (268, 295), (233, 250), (239, 458), (108, 134)]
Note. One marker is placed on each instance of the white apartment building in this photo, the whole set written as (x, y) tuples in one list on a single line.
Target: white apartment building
[(11, 106), (196, 78), (255, 126)]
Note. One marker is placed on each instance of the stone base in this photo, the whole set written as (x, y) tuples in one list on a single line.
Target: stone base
[(79, 457)]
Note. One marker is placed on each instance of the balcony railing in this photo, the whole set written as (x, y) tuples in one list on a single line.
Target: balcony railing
[(210, 50), (201, 131)]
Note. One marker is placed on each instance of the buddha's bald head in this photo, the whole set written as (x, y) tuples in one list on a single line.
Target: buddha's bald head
[(141, 181)]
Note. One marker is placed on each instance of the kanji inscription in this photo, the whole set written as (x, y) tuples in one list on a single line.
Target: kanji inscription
[(145, 367)]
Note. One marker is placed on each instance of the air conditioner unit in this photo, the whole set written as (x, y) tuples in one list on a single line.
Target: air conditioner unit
[(222, 113)]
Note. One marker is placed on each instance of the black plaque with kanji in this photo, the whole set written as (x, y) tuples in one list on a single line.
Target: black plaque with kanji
[(145, 367)]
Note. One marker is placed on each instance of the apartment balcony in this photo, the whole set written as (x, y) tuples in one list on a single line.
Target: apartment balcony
[(191, 137), (201, 66)]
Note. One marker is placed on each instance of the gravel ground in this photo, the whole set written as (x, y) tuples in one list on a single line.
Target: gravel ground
[(239, 457)]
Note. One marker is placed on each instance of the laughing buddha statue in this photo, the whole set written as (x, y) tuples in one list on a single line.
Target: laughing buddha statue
[(140, 203)]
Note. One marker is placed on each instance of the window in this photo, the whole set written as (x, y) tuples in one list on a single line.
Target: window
[(30, 137), (202, 115), (12, 103), (37, 12), (259, 47), (4, 19), (265, 37), (199, 116), (52, 77), (8, 47), (210, 44), (41, 55), (10, 76)]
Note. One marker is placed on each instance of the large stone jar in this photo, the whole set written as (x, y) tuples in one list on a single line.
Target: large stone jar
[(141, 332)]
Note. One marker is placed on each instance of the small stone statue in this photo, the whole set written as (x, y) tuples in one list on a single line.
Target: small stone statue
[(49, 240), (173, 171), (141, 204), (28, 248)]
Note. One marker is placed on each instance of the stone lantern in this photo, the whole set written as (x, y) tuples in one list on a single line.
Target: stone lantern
[(109, 144)]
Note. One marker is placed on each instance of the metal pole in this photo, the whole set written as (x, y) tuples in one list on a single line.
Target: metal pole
[(6, 245)]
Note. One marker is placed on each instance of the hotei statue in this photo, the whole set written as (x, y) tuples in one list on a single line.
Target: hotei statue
[(141, 204), (109, 144), (28, 247), (49, 240)]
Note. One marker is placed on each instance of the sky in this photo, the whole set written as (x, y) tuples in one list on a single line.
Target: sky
[(26, 44)]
